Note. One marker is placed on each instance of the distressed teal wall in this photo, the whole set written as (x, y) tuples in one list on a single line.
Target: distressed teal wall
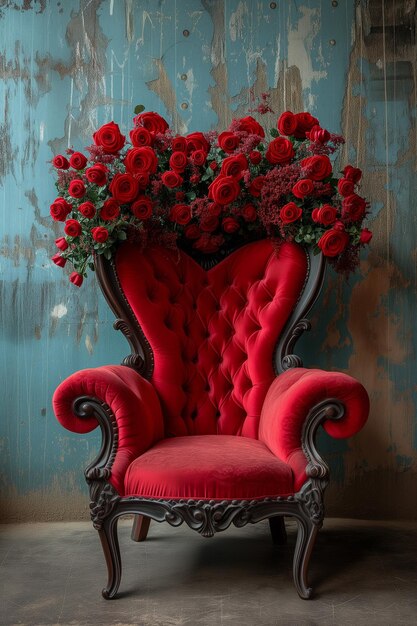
[(67, 67)]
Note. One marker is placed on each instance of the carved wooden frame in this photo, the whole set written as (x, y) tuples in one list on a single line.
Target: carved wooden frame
[(206, 517)]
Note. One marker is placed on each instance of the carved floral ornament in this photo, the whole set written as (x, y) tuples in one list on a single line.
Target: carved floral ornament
[(208, 192)]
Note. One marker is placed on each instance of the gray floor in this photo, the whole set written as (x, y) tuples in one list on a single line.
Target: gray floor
[(363, 573)]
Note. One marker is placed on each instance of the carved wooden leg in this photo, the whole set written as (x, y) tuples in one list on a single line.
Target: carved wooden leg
[(110, 545), (306, 538), (140, 527), (278, 532)]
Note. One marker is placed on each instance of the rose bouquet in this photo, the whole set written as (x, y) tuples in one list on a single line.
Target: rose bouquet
[(208, 193)]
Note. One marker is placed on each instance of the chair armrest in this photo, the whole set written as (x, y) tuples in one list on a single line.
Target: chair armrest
[(298, 401), (126, 407)]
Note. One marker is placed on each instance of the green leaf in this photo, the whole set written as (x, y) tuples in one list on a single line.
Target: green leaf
[(138, 109), (107, 254), (121, 235), (274, 132)]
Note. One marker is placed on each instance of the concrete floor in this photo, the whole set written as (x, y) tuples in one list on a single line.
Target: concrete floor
[(364, 573)]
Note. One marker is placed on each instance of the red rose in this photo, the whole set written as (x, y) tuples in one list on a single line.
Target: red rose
[(152, 121), (61, 243), (213, 165), (110, 210), (224, 190), (255, 157), (353, 208), (280, 150), (100, 234), (87, 209), (179, 144), (76, 279), (317, 167), (333, 242), (230, 225), (140, 137), (209, 223), (142, 208), (249, 213), (365, 236), (97, 174), (60, 162), (305, 122), (315, 215), (179, 196), (352, 173), (180, 213), (228, 141), (197, 141), (338, 225), (256, 185), (141, 160), (109, 138), (78, 161), (178, 161), (303, 187), (326, 215), (192, 231), (142, 178), (171, 179), (59, 209), (194, 179), (59, 260), (234, 166), (345, 187), (72, 228), (198, 157), (318, 134), (287, 123), (290, 213), (124, 187), (250, 126), (76, 188)]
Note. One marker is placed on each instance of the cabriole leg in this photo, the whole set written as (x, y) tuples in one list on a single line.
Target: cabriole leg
[(306, 538), (278, 532), (110, 544), (140, 527)]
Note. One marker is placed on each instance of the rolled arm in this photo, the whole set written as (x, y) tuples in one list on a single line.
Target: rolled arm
[(292, 398), (124, 400)]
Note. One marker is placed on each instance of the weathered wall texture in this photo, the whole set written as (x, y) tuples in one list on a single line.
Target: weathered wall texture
[(66, 67)]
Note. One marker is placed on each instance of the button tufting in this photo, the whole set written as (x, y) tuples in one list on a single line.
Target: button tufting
[(194, 359), (207, 387), (193, 414), (218, 413)]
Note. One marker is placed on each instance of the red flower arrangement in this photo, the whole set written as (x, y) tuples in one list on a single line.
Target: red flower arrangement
[(208, 192)]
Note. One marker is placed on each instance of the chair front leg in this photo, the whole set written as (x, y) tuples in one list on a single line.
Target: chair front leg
[(110, 544)]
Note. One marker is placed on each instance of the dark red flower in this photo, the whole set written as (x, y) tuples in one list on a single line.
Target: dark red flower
[(234, 166), (59, 209), (345, 187), (255, 157), (333, 242), (192, 231), (141, 160), (198, 157), (289, 213), (72, 228), (109, 138), (228, 141), (230, 225), (180, 213), (140, 137), (353, 208), (179, 144), (61, 243), (317, 167), (100, 234), (58, 260), (76, 188), (209, 223), (60, 162), (305, 122), (352, 173), (280, 150), (97, 174), (124, 187), (287, 123), (250, 125), (178, 161), (249, 213), (256, 185), (142, 208), (321, 135), (76, 279), (365, 236), (197, 141), (110, 210), (87, 209), (224, 190), (78, 161), (302, 188), (152, 121), (171, 179)]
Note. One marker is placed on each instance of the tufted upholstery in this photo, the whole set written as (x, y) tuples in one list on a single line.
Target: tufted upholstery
[(212, 333)]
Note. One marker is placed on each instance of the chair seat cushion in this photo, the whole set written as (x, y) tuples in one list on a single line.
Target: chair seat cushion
[(218, 467)]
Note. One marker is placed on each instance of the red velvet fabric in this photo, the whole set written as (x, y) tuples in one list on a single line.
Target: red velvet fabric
[(131, 398), (212, 333), (289, 400), (209, 467)]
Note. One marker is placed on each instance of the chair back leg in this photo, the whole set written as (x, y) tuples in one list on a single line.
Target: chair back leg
[(140, 527)]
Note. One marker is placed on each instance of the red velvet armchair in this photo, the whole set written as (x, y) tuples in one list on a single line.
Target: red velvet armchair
[(211, 419)]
